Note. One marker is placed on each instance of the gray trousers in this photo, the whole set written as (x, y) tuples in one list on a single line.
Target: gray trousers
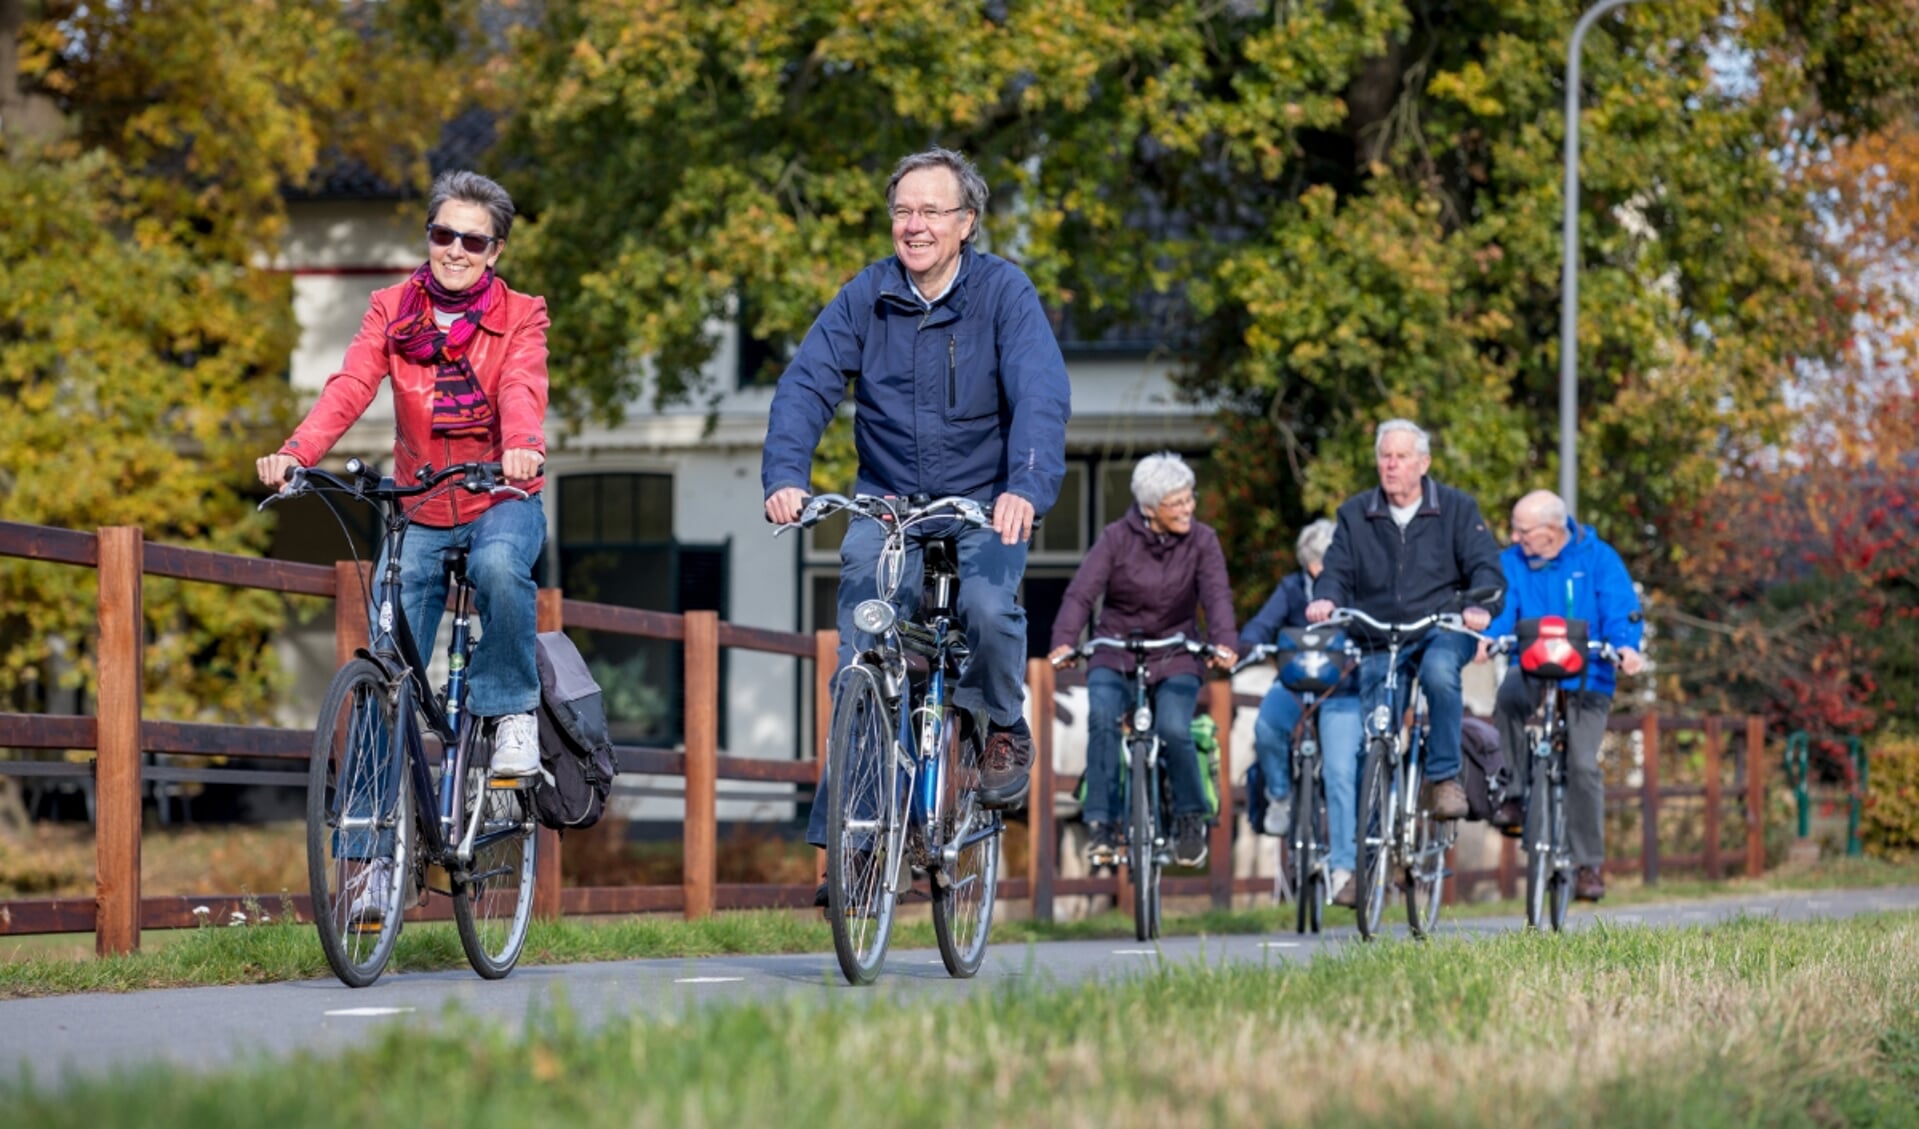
[(1586, 714)]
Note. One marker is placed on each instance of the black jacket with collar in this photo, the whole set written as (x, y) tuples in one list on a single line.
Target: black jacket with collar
[(1395, 574)]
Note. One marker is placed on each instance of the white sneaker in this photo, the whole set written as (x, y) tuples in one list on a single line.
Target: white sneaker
[(1279, 816), (375, 897), (1341, 883), (516, 745)]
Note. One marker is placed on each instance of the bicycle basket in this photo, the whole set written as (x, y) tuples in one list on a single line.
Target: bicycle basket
[(1552, 646), (1318, 660)]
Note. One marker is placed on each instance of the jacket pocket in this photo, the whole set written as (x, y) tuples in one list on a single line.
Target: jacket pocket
[(971, 378)]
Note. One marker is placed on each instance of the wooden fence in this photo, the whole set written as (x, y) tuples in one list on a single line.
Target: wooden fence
[(119, 737)]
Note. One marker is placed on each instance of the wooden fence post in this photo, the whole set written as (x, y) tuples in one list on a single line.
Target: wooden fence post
[(1713, 757), (699, 865), (1219, 868), (1508, 867), (1755, 797), (1649, 802), (351, 580), (1041, 865), (826, 663), (117, 747), (546, 878)]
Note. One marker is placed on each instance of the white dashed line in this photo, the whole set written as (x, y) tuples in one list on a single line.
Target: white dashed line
[(358, 1012), (1279, 944), (1135, 952), (709, 980)]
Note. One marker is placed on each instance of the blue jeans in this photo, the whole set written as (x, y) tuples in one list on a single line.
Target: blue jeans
[(995, 678), (1436, 660), (1340, 738), (1109, 697)]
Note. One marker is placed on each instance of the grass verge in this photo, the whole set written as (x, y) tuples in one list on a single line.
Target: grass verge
[(1754, 1022)]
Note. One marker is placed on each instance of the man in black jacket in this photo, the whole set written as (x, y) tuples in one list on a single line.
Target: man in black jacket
[(1407, 549)]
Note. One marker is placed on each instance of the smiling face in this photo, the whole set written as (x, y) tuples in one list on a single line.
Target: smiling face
[(1401, 466), (930, 244), (1173, 514), (454, 267)]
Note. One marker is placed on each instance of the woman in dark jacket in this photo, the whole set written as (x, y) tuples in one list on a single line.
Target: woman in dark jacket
[(1154, 567)]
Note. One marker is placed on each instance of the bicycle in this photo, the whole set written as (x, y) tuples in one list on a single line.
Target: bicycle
[(904, 761), (1396, 830), (369, 850), (1147, 851), (1551, 649), (1313, 672)]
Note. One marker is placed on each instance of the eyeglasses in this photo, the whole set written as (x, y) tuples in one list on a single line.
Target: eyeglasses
[(475, 243), (930, 215), (1183, 502)]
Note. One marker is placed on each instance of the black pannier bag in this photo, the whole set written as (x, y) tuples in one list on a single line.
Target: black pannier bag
[(1481, 764), (1551, 646), (576, 752)]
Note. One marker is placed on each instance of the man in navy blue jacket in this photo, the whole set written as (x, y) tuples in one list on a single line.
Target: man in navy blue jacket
[(1400, 552), (961, 390), (1559, 567)]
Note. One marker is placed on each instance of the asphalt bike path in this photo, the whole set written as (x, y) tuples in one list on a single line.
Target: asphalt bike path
[(209, 1028)]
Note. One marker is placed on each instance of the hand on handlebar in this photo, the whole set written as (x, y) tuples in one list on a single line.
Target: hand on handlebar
[(1064, 657), (1476, 619), (521, 465), (1222, 658), (1319, 611), (273, 469), (783, 506), (1631, 661), (1012, 519)]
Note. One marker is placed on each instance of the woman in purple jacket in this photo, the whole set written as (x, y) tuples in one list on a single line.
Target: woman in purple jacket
[(1154, 567)]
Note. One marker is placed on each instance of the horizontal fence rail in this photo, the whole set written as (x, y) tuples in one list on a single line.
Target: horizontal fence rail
[(119, 739)]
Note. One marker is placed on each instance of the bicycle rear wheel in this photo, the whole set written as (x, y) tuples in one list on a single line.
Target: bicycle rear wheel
[(1560, 885), (358, 823), (1378, 818), (1142, 853), (967, 882), (1306, 846), (863, 828), (493, 904), (1540, 843)]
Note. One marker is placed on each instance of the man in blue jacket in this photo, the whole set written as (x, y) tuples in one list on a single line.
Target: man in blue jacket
[(961, 390), (1556, 566), (1400, 552)]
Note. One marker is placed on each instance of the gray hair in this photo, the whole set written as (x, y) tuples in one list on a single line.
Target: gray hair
[(973, 193), (1313, 542), (1545, 506), (472, 188), (1158, 475), (1421, 443)]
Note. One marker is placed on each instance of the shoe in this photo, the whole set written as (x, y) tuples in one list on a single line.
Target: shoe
[(516, 746), (1510, 817), (1448, 800), (1004, 777), (1189, 840), (1589, 884), (1279, 816), (1103, 849), (1345, 890), (374, 901)]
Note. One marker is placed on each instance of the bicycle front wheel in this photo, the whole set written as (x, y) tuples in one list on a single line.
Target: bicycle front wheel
[(863, 828), (1378, 818), (1426, 875), (1560, 885), (493, 904), (1142, 853), (359, 820), (1303, 844), (968, 878), (1540, 845)]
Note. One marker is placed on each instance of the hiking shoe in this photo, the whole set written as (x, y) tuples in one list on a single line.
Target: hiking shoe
[(1589, 884), (1189, 840), (516, 746), (1279, 816), (1103, 849), (1510, 817), (373, 903), (1004, 777), (1448, 800), (1343, 892)]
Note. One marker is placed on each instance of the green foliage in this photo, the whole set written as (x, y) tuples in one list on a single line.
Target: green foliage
[(1889, 826)]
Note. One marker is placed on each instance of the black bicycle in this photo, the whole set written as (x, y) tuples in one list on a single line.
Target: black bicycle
[(1312, 663), (1148, 799), (383, 817), (904, 761)]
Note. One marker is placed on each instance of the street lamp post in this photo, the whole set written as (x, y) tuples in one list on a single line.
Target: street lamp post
[(1569, 268)]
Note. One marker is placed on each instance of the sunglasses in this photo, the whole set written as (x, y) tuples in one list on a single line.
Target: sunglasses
[(474, 242)]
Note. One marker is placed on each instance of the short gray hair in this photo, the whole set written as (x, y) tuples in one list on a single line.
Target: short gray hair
[(1313, 542), (973, 192), (1421, 442), (472, 188), (1158, 475), (1545, 505)]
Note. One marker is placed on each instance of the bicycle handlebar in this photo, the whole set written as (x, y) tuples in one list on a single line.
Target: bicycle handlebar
[(1506, 644), (1139, 647), (1445, 621), (901, 510), (364, 482)]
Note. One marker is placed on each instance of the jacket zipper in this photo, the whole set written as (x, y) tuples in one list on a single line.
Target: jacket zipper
[(952, 373)]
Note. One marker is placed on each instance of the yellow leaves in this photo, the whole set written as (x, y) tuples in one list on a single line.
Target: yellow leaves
[(1471, 87)]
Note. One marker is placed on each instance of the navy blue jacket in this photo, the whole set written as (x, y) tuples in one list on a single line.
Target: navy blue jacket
[(969, 397), (1286, 608), (1396, 575), (1588, 581)]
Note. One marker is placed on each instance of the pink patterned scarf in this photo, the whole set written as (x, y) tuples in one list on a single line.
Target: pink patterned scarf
[(459, 406)]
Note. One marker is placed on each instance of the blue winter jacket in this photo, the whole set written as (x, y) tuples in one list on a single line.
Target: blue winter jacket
[(969, 397), (1286, 608), (1588, 581)]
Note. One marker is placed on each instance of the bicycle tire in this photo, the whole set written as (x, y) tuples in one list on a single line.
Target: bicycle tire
[(1300, 843), (1426, 873), (493, 903), (1540, 848), (963, 899), (1322, 846), (860, 846), (1142, 857), (1376, 818), (1561, 884), (357, 725)]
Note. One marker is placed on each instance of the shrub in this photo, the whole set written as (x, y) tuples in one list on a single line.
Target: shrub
[(1889, 825)]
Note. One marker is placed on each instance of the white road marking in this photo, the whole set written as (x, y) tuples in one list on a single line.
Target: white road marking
[(1627, 918), (1279, 944), (709, 980), (1136, 952), (369, 1011)]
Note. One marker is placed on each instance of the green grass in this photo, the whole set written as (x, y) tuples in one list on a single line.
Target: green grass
[(1750, 1023), (279, 951)]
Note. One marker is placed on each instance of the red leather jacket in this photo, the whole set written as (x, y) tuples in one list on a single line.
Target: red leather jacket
[(509, 358)]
